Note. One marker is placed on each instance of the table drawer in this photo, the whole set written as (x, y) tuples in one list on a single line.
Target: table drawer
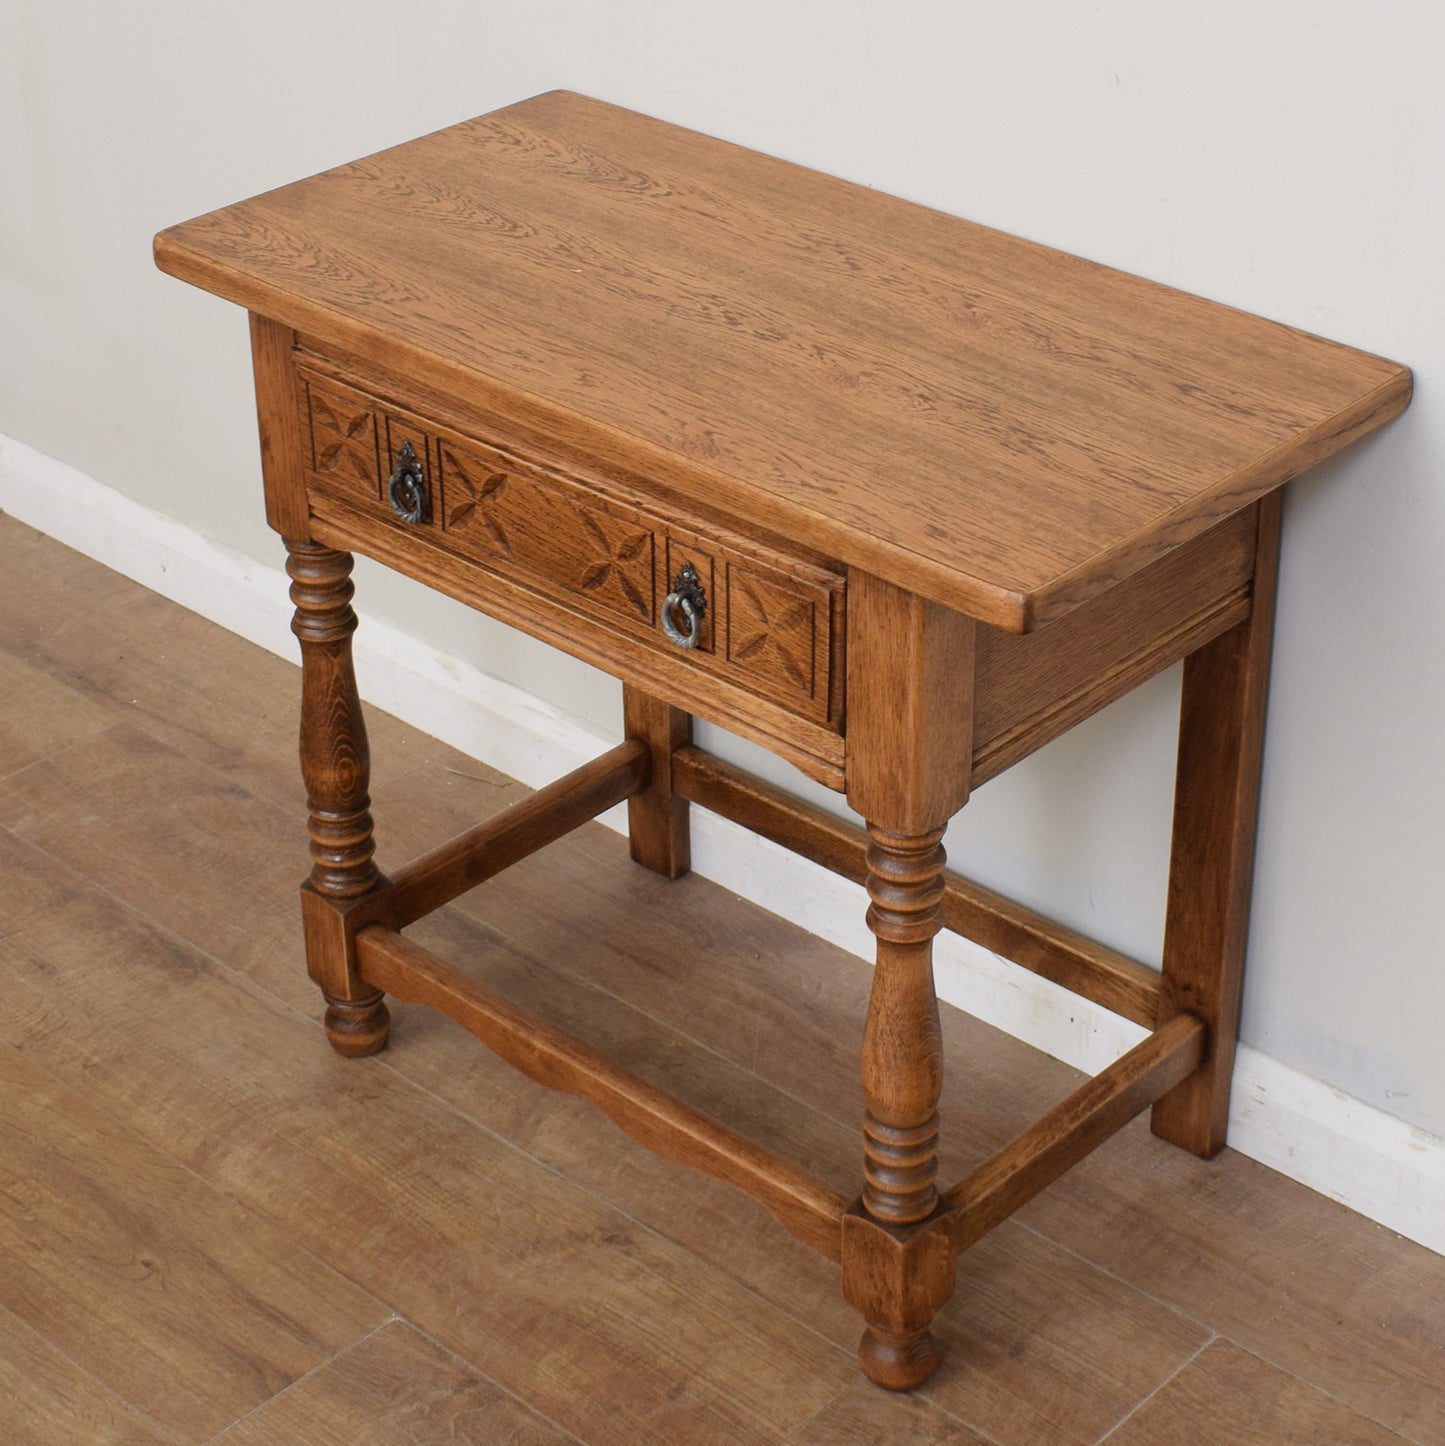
[(770, 624)]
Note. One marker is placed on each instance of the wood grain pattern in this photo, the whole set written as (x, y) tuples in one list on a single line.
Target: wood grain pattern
[(1030, 689), (532, 823), (911, 707), (1096, 453), (283, 448), (47, 1400), (543, 529), (665, 672), (188, 684), (1019, 934), (606, 1327), (658, 832), (113, 1251), (778, 635), (773, 622), (1226, 1394), (1016, 1173), (41, 716), (1005, 428), (395, 1386), (1260, 1258), (344, 441), (1037, 1349), (336, 768), (860, 1417), (1211, 864), (1042, 1345), (807, 1208)]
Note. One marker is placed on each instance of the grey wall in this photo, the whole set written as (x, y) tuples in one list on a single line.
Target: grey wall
[(1287, 158)]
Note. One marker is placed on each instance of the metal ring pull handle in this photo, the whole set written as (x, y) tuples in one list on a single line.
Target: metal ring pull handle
[(687, 597), (406, 487)]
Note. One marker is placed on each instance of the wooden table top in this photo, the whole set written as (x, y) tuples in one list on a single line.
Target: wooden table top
[(998, 425)]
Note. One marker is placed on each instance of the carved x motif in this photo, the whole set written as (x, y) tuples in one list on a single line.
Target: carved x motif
[(770, 632), (618, 552), (349, 430), (480, 498)]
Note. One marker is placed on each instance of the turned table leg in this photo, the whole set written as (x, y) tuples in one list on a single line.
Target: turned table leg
[(902, 1067), (336, 767), (910, 727)]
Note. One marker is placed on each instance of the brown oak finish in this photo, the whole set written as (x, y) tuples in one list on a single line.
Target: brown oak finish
[(814, 748), (948, 493), (1032, 688), (1027, 938), (434, 879), (336, 767), (735, 328), (272, 364), (1211, 864), (991, 1193), (807, 1209), (910, 744), (1039, 1345), (657, 817), (771, 629)]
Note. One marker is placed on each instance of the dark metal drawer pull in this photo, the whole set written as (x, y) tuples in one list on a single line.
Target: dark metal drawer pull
[(687, 597), (406, 487)]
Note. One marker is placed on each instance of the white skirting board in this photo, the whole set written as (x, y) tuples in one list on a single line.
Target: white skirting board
[(1376, 1164)]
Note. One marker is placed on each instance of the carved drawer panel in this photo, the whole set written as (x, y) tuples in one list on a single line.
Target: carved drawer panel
[(777, 631), (344, 436), (770, 625), (527, 521)]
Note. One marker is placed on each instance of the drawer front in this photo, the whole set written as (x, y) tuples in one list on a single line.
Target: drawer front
[(771, 625), (549, 531)]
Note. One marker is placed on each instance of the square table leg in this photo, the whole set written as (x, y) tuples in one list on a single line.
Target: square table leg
[(657, 818), (1216, 804)]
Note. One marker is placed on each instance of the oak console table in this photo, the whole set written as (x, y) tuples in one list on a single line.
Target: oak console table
[(897, 496)]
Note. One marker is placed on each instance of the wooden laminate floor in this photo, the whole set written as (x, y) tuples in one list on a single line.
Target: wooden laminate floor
[(213, 1228)]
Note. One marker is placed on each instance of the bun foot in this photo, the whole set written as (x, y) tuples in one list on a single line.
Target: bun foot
[(358, 1027), (897, 1362)]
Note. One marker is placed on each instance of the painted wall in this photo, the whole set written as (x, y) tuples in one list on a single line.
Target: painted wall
[(1289, 159)]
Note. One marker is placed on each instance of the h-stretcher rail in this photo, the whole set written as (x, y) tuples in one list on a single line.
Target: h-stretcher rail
[(810, 1210)]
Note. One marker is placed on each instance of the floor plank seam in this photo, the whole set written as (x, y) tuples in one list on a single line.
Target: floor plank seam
[(164, 1432), (470, 1120), (818, 1414), (1145, 1399), (556, 1172), (25, 768), (701, 1046), (1395, 1355), (1217, 1335), (1173, 1307), (304, 1376), (274, 1222), (66, 676), (501, 1386), (1328, 1393), (726, 1271), (849, 1122)]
